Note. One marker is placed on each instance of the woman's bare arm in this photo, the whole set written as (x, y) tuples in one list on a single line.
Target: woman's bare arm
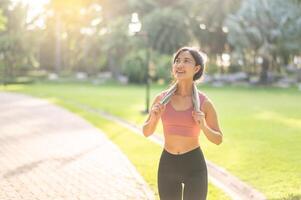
[(211, 128), (151, 122)]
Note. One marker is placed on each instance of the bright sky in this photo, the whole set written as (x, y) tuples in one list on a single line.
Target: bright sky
[(35, 7)]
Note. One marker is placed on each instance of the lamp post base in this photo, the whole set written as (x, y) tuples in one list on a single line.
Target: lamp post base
[(144, 112)]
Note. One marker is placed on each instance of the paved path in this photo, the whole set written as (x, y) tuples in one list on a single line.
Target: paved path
[(47, 152)]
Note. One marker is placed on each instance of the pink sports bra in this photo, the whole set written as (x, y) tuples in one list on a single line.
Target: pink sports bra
[(180, 122)]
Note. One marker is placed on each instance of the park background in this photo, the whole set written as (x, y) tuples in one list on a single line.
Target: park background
[(115, 56)]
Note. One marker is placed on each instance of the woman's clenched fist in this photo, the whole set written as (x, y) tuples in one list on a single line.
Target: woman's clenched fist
[(157, 110)]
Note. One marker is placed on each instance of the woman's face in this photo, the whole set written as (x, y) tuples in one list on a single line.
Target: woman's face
[(184, 66)]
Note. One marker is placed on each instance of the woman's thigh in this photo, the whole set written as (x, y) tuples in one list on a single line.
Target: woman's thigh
[(169, 189), (169, 184), (196, 187)]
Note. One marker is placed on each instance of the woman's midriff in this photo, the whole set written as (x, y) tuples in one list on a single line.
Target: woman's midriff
[(176, 144)]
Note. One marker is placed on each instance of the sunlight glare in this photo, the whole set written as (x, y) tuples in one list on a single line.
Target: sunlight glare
[(35, 7)]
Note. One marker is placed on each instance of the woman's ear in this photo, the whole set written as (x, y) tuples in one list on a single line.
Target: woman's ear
[(197, 68)]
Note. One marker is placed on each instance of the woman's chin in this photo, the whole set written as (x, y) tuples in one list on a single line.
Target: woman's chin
[(181, 77)]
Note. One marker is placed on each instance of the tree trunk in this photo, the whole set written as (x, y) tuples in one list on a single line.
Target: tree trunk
[(58, 45), (285, 58), (112, 66), (264, 71), (5, 74), (299, 75)]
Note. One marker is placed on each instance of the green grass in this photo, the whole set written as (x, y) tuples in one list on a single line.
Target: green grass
[(261, 126)]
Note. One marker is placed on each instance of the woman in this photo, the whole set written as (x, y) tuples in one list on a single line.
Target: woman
[(184, 112)]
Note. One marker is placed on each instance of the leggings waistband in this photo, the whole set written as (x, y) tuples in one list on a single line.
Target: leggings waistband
[(191, 152)]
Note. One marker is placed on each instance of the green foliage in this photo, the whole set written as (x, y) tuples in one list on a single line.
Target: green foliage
[(167, 29), (266, 27), (143, 6), (162, 67), (92, 36), (135, 66), (115, 43), (3, 21), (210, 14), (17, 43), (211, 68)]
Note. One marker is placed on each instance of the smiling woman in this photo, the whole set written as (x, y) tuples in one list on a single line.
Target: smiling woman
[(184, 112)]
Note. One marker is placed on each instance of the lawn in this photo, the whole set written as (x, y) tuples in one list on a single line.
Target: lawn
[(261, 126)]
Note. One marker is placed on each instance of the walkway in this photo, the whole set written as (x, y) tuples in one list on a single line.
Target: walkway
[(47, 152)]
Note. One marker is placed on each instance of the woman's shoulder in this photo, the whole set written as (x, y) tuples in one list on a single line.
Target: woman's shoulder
[(203, 96), (204, 99)]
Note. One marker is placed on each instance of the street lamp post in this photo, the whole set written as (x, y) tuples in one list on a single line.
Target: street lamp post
[(135, 29)]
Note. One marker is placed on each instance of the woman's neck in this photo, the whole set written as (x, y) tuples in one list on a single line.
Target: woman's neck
[(184, 89)]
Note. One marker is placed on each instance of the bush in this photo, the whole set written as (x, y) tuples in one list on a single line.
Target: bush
[(162, 64), (135, 66), (234, 68), (211, 68)]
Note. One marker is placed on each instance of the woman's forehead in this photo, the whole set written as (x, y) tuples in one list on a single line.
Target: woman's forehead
[(185, 54)]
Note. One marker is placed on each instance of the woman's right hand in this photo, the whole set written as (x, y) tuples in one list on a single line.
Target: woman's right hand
[(157, 110), (155, 113)]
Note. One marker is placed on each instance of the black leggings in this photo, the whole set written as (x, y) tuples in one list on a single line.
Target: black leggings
[(188, 168)]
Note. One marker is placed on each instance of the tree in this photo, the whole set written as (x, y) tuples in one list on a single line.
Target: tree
[(16, 41), (115, 44), (167, 30), (85, 35), (206, 19), (267, 29), (65, 16)]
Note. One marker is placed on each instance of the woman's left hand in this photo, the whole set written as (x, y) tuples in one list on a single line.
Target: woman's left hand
[(199, 118)]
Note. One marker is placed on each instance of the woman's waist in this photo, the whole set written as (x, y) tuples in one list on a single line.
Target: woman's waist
[(178, 144)]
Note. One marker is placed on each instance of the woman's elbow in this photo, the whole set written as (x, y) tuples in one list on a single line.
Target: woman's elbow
[(146, 132), (219, 140)]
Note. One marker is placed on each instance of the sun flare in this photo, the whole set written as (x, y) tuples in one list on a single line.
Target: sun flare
[(35, 7)]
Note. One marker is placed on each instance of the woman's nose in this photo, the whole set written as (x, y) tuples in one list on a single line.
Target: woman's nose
[(180, 65)]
